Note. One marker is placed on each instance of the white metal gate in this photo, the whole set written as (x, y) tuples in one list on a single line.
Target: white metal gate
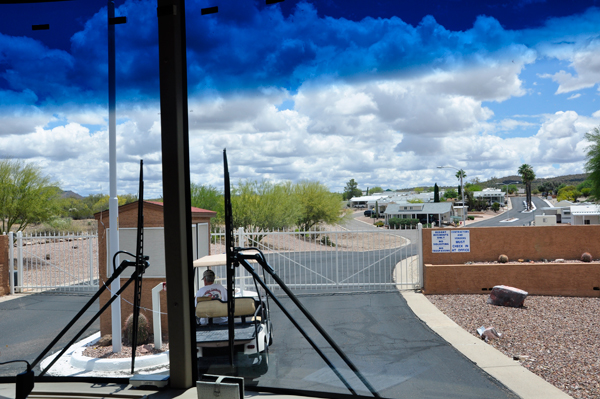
[(342, 260), (65, 262)]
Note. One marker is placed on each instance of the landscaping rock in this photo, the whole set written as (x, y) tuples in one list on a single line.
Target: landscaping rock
[(586, 257), (503, 295), (105, 340)]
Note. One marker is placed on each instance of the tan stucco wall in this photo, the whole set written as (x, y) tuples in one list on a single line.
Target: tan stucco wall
[(566, 279), (4, 266), (447, 273), (521, 242)]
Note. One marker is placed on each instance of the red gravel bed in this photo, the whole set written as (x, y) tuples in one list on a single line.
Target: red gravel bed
[(557, 338)]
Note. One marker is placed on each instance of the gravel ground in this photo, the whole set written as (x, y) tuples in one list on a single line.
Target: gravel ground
[(557, 338), (106, 352)]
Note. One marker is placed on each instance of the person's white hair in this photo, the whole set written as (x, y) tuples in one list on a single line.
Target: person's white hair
[(209, 276)]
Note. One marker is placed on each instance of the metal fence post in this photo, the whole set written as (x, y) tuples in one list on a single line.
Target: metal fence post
[(91, 252), (20, 261), (337, 258), (420, 251), (11, 261)]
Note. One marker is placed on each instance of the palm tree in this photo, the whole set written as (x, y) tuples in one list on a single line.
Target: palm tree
[(527, 176), (461, 173)]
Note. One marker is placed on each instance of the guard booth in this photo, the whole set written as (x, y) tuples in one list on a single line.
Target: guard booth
[(153, 247)]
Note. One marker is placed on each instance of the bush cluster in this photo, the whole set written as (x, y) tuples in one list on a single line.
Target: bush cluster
[(396, 223)]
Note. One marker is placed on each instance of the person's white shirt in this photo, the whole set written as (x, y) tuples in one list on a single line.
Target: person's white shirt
[(215, 291)]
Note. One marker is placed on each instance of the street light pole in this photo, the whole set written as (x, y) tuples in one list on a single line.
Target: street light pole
[(113, 202), (462, 189)]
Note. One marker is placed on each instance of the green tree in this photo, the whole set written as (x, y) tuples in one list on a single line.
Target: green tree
[(351, 190), (415, 201), (527, 176), (512, 188), (102, 202), (495, 206), (544, 188), (74, 208), (376, 189), (450, 193), (317, 205), (472, 187), (592, 163), (208, 197), (569, 193), (264, 206), (461, 173), (436, 193), (26, 195), (587, 183)]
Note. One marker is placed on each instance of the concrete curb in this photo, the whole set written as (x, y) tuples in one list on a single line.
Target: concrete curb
[(508, 372), (78, 361)]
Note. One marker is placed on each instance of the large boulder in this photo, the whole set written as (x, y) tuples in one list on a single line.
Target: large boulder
[(503, 295)]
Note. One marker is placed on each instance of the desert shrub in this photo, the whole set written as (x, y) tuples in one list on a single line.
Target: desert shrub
[(326, 241), (379, 223)]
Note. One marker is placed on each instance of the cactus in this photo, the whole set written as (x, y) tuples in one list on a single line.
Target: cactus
[(143, 330), (586, 257), (503, 258)]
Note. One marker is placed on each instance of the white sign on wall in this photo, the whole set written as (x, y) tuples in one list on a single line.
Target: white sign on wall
[(461, 241), (440, 241)]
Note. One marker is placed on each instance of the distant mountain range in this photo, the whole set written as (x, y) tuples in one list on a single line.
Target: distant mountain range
[(497, 182), (70, 194), (567, 179)]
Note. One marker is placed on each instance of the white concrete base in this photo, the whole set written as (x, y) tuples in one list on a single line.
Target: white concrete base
[(74, 363)]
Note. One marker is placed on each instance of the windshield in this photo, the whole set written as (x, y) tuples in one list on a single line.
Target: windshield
[(338, 118)]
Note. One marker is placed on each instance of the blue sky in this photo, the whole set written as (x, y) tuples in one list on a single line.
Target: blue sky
[(329, 90)]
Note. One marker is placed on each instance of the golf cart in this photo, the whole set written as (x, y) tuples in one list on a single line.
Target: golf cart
[(252, 326)]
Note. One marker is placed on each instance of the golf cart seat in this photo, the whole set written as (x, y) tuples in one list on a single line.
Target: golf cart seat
[(209, 308)]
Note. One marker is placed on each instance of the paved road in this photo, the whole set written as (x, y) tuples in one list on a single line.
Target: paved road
[(359, 225), (398, 354), (29, 323), (515, 213), (395, 351)]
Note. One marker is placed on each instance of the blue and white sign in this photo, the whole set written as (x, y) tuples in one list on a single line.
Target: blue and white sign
[(461, 241), (440, 241)]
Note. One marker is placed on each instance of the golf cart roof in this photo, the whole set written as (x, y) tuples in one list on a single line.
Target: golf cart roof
[(212, 260)]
